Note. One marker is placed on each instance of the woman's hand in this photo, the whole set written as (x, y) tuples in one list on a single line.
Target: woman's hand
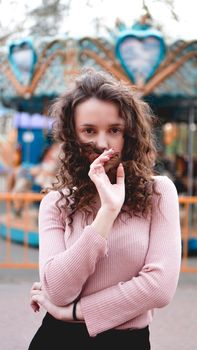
[(35, 287), (38, 298), (111, 195)]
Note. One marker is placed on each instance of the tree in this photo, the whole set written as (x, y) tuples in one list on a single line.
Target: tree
[(48, 17), (43, 20)]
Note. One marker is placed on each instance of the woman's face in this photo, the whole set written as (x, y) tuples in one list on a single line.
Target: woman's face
[(98, 122)]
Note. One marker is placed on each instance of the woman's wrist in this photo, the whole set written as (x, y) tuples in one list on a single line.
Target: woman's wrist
[(104, 220), (78, 312), (74, 311)]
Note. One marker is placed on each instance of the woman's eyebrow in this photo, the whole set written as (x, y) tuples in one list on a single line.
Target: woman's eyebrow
[(117, 124), (113, 124), (87, 124)]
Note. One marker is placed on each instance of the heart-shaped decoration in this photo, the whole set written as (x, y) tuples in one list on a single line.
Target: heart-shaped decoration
[(22, 58), (140, 52)]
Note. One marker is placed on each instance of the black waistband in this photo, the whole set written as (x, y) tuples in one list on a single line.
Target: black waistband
[(81, 325)]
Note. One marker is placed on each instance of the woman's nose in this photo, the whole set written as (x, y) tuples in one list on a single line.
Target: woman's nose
[(102, 142)]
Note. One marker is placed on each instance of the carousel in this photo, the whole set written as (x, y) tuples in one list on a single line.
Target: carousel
[(34, 73), (28, 159)]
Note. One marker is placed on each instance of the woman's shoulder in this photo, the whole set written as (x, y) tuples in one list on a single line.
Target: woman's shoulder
[(53, 196), (164, 183)]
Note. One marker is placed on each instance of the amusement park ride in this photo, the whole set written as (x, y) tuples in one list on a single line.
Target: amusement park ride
[(32, 74)]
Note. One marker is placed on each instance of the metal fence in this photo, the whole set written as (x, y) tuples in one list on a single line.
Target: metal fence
[(23, 228), (19, 227)]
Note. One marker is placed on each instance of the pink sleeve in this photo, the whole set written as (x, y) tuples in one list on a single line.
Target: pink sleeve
[(63, 272), (156, 283)]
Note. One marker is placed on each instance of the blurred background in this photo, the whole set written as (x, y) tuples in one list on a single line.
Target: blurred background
[(43, 46)]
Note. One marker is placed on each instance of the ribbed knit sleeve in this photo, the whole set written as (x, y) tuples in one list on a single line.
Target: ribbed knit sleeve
[(156, 283), (63, 272)]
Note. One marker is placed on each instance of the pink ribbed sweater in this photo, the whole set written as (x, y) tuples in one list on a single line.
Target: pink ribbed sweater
[(121, 279)]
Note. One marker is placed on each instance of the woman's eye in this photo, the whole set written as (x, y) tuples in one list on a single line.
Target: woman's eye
[(115, 130), (89, 131)]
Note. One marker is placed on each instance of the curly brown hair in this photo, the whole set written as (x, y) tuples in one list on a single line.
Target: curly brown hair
[(139, 151)]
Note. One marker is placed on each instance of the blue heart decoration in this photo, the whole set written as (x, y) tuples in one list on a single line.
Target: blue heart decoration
[(140, 52), (22, 58)]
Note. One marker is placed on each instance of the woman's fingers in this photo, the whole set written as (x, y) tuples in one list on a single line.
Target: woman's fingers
[(105, 156), (101, 160), (34, 305), (97, 166), (120, 175), (97, 169), (38, 298), (36, 286), (54, 310), (35, 292), (35, 289)]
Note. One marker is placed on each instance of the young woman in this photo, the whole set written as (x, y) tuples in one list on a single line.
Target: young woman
[(109, 230)]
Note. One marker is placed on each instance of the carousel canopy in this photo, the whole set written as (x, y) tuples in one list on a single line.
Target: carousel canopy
[(33, 73)]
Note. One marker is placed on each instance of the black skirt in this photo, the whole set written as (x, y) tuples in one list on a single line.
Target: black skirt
[(59, 335)]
